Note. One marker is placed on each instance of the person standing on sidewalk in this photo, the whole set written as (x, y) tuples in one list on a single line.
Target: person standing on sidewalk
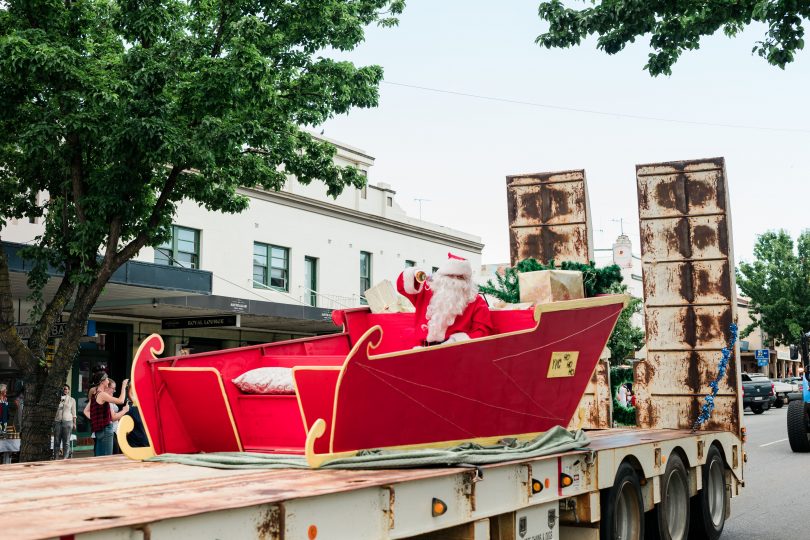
[(101, 417), (64, 424)]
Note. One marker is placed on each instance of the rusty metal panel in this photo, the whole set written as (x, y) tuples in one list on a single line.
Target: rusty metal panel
[(667, 193), (682, 283), (676, 410), (595, 408), (689, 294), (687, 328), (680, 372), (549, 217), (672, 239)]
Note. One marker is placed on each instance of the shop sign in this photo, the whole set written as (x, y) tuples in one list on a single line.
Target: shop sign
[(57, 330), (199, 322), (238, 305)]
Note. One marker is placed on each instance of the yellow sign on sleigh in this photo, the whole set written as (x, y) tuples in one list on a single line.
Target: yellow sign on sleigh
[(563, 364)]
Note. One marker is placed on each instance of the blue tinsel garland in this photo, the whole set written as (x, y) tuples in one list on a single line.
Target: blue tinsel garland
[(708, 406)]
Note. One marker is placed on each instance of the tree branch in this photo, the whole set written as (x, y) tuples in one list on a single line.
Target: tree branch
[(223, 18), (76, 174), (112, 241), (39, 337), (129, 251)]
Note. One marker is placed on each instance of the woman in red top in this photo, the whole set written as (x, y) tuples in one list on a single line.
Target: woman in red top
[(102, 417)]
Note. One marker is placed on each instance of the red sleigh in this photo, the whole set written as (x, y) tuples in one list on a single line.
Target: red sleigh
[(367, 388)]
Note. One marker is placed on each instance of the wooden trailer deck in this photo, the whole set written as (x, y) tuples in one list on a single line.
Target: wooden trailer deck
[(66, 498)]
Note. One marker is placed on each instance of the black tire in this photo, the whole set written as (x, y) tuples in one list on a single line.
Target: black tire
[(670, 519), (709, 506), (798, 426), (623, 507), (766, 406), (780, 400), (757, 409)]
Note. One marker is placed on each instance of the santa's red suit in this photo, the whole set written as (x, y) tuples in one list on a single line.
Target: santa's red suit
[(474, 320)]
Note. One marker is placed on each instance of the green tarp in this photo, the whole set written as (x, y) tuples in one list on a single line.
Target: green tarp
[(553, 441)]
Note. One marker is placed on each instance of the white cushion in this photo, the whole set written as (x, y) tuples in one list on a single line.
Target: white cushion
[(266, 380)]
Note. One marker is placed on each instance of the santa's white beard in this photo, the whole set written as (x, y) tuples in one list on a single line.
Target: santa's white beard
[(450, 297)]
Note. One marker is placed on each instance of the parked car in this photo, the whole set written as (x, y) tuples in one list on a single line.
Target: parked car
[(781, 389), (795, 385), (758, 393), (797, 393)]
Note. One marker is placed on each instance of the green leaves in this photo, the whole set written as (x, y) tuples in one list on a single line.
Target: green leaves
[(114, 111), (778, 283), (103, 98), (674, 26)]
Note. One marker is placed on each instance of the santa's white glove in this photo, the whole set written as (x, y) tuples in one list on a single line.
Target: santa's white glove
[(413, 275), (458, 336)]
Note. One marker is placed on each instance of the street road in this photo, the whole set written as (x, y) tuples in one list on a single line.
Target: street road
[(775, 502)]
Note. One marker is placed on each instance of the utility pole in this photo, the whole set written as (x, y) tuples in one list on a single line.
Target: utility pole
[(420, 201)]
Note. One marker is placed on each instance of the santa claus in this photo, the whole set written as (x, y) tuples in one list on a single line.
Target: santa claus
[(448, 307)]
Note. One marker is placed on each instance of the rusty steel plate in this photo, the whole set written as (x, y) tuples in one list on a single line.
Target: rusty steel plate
[(689, 294), (594, 409), (667, 193), (698, 237), (549, 217), (682, 283)]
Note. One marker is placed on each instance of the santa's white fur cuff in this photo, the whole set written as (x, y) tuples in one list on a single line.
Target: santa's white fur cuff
[(408, 280)]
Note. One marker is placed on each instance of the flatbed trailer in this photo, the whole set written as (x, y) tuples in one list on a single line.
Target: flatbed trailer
[(663, 478), (560, 496)]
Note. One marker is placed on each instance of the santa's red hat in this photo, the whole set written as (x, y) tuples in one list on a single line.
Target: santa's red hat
[(456, 266)]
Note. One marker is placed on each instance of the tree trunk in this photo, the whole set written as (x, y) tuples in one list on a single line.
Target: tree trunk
[(42, 394), (38, 418)]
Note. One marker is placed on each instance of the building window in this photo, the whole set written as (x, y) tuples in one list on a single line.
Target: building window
[(271, 266), (311, 279), (409, 264), (182, 249), (390, 201), (365, 273), (364, 192)]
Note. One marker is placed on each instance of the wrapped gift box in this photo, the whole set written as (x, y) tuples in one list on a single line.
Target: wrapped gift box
[(547, 286), (384, 298)]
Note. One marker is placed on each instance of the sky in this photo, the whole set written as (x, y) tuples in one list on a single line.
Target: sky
[(455, 151)]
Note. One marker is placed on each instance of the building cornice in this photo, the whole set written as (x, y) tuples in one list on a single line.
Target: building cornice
[(356, 152), (348, 214)]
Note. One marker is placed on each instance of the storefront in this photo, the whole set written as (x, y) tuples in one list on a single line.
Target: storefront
[(777, 366), (140, 300)]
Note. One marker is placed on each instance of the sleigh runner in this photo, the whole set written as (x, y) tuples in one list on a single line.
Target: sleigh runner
[(367, 388)]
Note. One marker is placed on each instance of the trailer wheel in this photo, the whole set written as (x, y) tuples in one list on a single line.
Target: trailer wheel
[(757, 409), (672, 513), (798, 426), (623, 507), (709, 506)]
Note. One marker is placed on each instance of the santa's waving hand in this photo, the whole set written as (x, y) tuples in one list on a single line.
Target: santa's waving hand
[(448, 307)]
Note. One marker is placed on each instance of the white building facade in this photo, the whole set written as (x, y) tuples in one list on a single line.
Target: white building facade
[(280, 268), (299, 246)]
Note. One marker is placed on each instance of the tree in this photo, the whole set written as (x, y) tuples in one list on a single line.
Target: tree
[(626, 338), (778, 283), (117, 110), (676, 27)]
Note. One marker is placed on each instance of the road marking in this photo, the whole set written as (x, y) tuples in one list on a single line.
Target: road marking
[(773, 442)]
